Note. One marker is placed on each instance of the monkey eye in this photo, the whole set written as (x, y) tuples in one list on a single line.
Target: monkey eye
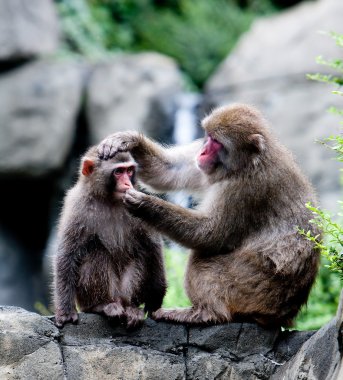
[(130, 170), (118, 171)]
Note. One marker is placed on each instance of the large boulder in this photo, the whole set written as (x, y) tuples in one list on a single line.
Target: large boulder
[(133, 92), (268, 68), (29, 346), (39, 103), (320, 358), (27, 28), (96, 348)]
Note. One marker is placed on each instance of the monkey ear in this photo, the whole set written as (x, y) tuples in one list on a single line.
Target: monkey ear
[(257, 141), (87, 167)]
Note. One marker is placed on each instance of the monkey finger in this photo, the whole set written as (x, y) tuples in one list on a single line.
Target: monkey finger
[(107, 147), (133, 198)]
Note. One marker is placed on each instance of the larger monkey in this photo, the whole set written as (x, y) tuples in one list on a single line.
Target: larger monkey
[(248, 261)]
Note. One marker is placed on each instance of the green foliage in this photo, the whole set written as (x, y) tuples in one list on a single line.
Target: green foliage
[(198, 34), (332, 247), (324, 297), (83, 34), (322, 303), (198, 37), (175, 262)]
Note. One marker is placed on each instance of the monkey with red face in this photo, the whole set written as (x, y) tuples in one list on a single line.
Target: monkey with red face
[(107, 261), (248, 262)]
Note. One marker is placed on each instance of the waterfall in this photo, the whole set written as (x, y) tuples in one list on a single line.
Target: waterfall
[(186, 130)]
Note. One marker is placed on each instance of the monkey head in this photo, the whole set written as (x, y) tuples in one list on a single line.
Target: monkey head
[(108, 178), (236, 138)]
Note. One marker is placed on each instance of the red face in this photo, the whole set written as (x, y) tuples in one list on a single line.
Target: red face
[(123, 175), (208, 156)]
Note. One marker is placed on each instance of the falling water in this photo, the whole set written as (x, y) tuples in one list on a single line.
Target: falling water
[(185, 131)]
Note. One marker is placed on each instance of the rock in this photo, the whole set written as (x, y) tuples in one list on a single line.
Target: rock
[(268, 68), (27, 29), (125, 363), (133, 92), (28, 346), (39, 103), (33, 348), (318, 359), (226, 351)]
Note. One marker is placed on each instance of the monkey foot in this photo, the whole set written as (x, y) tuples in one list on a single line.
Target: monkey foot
[(113, 310), (189, 315), (134, 317), (62, 319), (184, 315)]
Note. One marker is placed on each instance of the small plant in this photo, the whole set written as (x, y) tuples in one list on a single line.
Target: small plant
[(325, 294), (332, 245)]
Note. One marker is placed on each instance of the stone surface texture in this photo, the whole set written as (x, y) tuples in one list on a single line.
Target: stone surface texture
[(39, 103), (33, 348), (27, 29), (133, 92)]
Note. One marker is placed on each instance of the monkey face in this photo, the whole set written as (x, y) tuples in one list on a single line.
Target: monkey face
[(208, 158), (237, 140), (123, 175), (109, 178)]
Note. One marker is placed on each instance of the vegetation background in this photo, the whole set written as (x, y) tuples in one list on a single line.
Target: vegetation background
[(199, 35)]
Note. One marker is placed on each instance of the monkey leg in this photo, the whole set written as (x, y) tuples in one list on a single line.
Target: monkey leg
[(134, 316), (192, 315), (113, 309)]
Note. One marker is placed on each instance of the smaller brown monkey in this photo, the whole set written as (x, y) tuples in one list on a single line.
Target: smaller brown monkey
[(107, 261)]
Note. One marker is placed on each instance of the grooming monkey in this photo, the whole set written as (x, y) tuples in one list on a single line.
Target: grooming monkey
[(248, 261), (107, 261)]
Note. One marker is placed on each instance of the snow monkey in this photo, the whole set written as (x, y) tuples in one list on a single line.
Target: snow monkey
[(248, 261), (108, 261)]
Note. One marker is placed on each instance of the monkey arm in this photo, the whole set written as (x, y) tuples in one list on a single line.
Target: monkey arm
[(162, 168), (67, 273), (190, 228)]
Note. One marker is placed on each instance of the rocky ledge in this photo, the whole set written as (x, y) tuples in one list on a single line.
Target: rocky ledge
[(33, 348)]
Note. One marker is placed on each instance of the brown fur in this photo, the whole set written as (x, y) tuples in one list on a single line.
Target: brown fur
[(107, 261), (248, 261)]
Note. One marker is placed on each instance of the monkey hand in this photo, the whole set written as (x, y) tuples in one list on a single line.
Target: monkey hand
[(134, 199), (118, 142), (61, 318)]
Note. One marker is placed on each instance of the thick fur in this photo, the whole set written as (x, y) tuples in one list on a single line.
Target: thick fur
[(248, 261), (107, 261)]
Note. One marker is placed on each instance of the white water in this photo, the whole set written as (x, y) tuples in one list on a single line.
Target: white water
[(185, 131)]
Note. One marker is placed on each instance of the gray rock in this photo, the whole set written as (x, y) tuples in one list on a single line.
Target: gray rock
[(234, 338), (27, 28), (28, 346), (93, 329), (133, 92), (38, 107), (122, 363), (33, 348), (317, 359), (282, 45), (268, 69)]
